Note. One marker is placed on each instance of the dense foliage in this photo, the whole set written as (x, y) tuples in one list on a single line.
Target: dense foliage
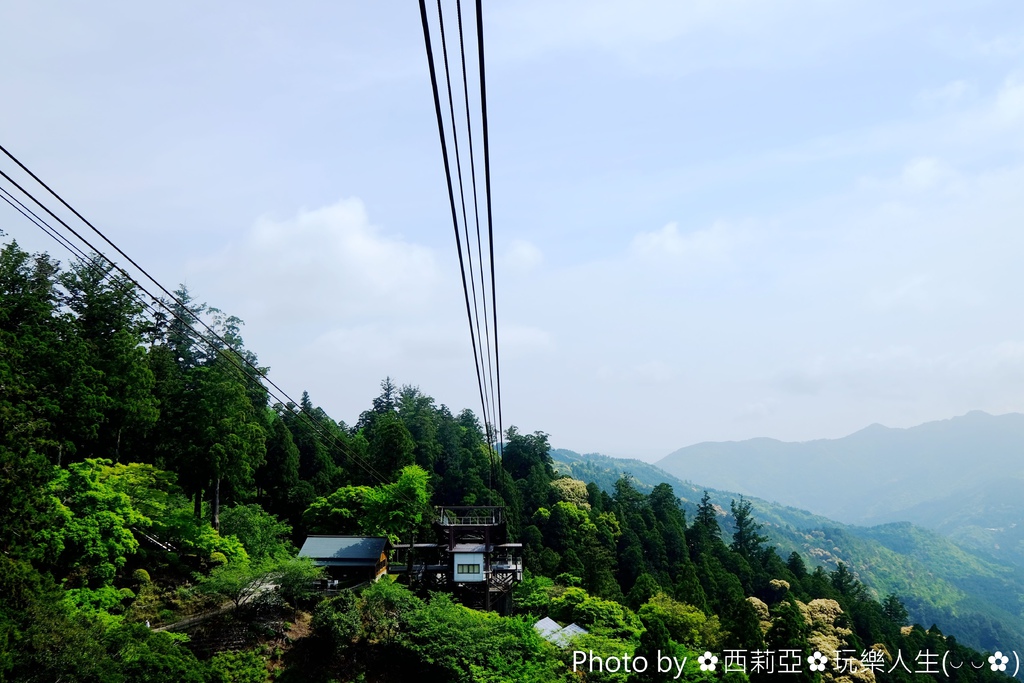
[(152, 491)]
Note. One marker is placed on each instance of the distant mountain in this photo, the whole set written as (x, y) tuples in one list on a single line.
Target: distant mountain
[(962, 476), (972, 595)]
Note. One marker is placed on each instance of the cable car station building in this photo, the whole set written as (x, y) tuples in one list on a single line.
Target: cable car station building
[(471, 558)]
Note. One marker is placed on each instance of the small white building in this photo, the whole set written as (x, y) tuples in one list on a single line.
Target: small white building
[(468, 562)]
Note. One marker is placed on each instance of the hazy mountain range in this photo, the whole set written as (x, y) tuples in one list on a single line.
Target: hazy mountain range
[(962, 477), (960, 563)]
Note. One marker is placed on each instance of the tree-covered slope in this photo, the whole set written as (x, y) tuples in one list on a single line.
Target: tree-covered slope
[(950, 475), (971, 593), (153, 498)]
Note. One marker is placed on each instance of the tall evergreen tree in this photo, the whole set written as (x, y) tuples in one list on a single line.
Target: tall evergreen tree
[(109, 322), (704, 534), (746, 539), (391, 446)]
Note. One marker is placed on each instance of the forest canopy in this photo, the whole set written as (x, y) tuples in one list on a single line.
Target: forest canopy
[(152, 488)]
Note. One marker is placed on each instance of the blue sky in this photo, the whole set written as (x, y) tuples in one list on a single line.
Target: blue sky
[(714, 220)]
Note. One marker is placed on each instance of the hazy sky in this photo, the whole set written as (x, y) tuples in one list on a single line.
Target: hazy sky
[(713, 220)]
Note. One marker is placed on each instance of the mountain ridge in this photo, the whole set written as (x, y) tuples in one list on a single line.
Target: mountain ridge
[(939, 580), (886, 472)]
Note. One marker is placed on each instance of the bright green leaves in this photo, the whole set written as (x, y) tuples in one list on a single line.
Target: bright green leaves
[(106, 510), (387, 510), (395, 509), (262, 534), (95, 537), (339, 513)]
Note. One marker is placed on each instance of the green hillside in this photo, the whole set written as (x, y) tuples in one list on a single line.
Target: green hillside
[(973, 594), (154, 497), (940, 475)]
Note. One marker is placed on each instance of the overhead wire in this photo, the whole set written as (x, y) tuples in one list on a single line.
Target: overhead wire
[(234, 356), (488, 406), (481, 355), (451, 196), (488, 379), (487, 194), (476, 212)]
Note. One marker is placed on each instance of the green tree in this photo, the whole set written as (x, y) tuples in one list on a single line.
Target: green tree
[(211, 432), (109, 321), (94, 537), (308, 424), (237, 667), (295, 578), (278, 476), (746, 539), (796, 564), (421, 419), (645, 588), (337, 621), (845, 582), (527, 460), (232, 436), (46, 402), (262, 534), (391, 509), (654, 642), (339, 513), (894, 609), (238, 582), (686, 624), (391, 445), (705, 532), (395, 509), (459, 645), (385, 609), (25, 479)]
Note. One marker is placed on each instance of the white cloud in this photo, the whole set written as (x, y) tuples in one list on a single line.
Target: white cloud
[(1003, 46), (516, 341), (947, 94), (924, 173), (758, 32), (522, 257), (757, 410), (381, 344), (331, 263), (1008, 108), (912, 291), (653, 372), (710, 244)]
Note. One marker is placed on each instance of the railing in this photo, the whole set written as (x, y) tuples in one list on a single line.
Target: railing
[(507, 566), (484, 515)]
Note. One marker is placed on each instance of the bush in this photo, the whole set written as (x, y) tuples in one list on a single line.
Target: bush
[(237, 667)]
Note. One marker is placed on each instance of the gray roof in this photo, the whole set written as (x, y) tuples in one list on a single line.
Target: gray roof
[(469, 548), (546, 626), (344, 549)]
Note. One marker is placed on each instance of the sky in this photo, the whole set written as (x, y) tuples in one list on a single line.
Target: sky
[(713, 220)]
